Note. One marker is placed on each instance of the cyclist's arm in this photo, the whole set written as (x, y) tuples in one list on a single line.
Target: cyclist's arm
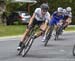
[(31, 19), (69, 19)]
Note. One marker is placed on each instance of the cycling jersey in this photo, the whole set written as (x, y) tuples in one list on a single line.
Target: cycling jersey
[(67, 15), (56, 18), (39, 17)]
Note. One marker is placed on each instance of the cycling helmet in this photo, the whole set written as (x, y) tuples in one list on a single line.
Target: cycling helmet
[(44, 6), (60, 9), (68, 9)]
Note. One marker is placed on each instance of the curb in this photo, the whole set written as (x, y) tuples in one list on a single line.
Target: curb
[(71, 26), (8, 37), (18, 36)]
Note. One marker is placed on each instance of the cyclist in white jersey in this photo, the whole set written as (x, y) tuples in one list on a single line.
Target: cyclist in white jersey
[(40, 17)]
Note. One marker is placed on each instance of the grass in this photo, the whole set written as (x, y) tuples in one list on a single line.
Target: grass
[(70, 29), (18, 30), (12, 30)]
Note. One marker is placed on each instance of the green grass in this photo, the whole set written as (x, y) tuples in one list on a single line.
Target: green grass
[(70, 29), (18, 30), (12, 30)]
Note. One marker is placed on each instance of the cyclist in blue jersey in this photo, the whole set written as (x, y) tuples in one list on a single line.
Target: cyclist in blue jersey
[(57, 18)]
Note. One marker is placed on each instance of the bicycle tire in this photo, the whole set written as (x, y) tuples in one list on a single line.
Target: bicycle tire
[(47, 40), (58, 32), (73, 52), (56, 37), (48, 36), (22, 47), (27, 47)]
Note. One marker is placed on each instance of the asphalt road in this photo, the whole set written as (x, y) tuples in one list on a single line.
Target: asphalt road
[(60, 50)]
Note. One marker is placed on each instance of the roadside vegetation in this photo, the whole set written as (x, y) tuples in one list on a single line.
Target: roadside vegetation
[(19, 30)]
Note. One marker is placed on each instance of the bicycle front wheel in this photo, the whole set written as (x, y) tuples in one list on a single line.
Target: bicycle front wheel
[(58, 32), (56, 37), (49, 33), (22, 47), (28, 45)]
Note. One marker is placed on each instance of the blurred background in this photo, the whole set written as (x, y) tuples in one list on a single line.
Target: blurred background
[(20, 11)]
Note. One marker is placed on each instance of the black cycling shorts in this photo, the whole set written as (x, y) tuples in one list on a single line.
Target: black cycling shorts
[(35, 22)]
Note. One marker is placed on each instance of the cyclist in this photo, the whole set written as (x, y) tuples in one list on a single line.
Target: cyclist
[(57, 18), (41, 16), (67, 17)]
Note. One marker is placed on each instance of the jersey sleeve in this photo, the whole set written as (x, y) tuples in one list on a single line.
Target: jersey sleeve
[(48, 17), (70, 15), (36, 10)]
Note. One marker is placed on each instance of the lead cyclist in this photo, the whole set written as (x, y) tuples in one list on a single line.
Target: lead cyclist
[(41, 16)]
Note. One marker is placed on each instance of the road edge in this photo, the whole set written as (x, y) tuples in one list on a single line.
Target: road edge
[(18, 36)]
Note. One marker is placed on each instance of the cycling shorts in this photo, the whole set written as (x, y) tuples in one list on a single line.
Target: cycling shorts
[(53, 22)]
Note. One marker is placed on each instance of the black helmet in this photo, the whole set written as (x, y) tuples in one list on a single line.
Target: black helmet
[(44, 6)]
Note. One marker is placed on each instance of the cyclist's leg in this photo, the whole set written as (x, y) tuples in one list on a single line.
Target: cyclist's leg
[(25, 34), (59, 27), (57, 24), (23, 38), (41, 31), (51, 23), (48, 28), (65, 25), (67, 22)]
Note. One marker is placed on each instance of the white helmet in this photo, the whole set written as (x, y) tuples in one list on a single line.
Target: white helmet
[(68, 9), (60, 9)]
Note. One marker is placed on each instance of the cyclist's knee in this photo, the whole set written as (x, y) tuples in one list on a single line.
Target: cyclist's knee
[(57, 27), (68, 21), (42, 31), (66, 24)]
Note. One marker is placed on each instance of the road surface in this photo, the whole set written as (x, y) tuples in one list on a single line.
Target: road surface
[(60, 50)]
